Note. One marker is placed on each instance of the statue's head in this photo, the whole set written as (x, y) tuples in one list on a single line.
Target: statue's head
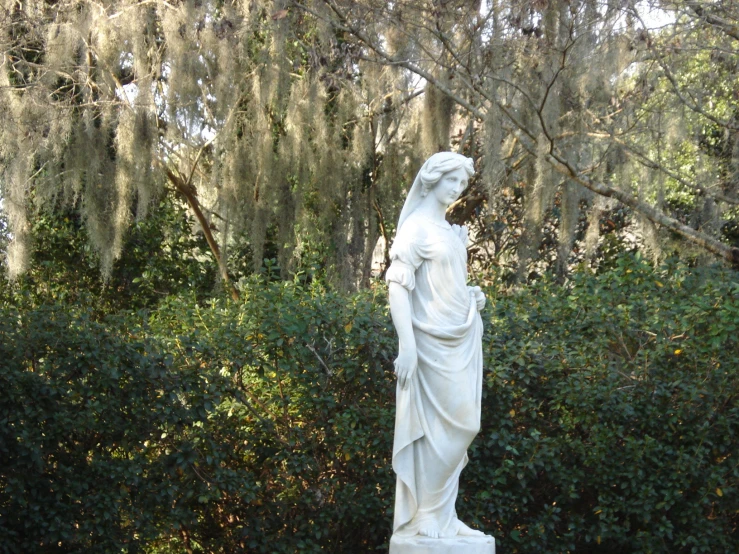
[(429, 176), (439, 164)]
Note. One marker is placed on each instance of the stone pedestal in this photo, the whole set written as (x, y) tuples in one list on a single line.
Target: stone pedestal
[(456, 545)]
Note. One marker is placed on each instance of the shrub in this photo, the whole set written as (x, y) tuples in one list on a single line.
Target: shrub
[(609, 420), (80, 403), (610, 416), (296, 449)]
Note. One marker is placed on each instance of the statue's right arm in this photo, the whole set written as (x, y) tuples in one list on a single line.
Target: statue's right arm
[(400, 310)]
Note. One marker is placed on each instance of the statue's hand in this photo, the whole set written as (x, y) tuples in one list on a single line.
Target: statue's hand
[(405, 366), (479, 297), (462, 233)]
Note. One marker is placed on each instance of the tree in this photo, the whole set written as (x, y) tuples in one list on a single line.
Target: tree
[(562, 94), (296, 124), (161, 258), (260, 121)]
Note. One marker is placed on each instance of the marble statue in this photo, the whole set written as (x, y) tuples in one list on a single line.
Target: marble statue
[(439, 365)]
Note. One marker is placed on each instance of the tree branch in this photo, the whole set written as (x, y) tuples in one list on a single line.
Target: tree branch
[(725, 251), (648, 162), (344, 25), (190, 194), (725, 26)]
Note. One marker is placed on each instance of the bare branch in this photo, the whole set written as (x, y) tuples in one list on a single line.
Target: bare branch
[(727, 27), (725, 251), (345, 26), (190, 194), (648, 162)]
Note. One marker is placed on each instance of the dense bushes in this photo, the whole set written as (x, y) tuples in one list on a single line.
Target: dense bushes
[(79, 404), (297, 448), (263, 427), (611, 415), (609, 424)]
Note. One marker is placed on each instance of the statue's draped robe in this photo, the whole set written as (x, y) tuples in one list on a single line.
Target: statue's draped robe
[(438, 415)]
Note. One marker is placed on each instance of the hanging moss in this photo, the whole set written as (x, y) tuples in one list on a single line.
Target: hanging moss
[(230, 97)]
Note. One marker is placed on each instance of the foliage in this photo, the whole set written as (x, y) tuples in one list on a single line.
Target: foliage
[(300, 124), (221, 428), (609, 420), (275, 127), (296, 451), (161, 257), (81, 404)]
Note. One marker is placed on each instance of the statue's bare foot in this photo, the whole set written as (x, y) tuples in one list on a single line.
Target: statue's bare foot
[(430, 529), (465, 531)]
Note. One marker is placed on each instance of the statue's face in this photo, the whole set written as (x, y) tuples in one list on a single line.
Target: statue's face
[(450, 186)]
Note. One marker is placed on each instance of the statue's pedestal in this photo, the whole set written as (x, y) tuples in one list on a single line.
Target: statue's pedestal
[(456, 545)]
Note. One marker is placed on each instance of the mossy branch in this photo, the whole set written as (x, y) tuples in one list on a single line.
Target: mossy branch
[(190, 193)]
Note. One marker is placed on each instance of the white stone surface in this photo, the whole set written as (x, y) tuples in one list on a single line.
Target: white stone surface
[(456, 545), (439, 365)]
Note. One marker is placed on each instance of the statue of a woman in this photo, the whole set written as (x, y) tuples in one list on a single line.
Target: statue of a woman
[(439, 366)]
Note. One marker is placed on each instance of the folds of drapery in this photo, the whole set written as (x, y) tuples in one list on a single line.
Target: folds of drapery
[(437, 417)]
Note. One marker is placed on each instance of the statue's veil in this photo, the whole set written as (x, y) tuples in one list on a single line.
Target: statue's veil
[(430, 173)]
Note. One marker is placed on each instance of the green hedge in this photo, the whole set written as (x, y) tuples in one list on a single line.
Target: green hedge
[(611, 414), (79, 402), (609, 421)]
